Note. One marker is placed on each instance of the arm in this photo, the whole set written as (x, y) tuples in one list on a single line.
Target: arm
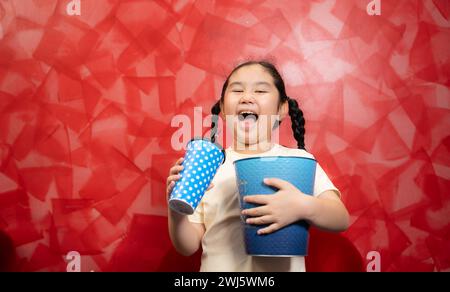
[(326, 211), (289, 205), (186, 236)]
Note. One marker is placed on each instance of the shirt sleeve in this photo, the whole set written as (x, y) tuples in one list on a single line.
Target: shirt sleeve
[(323, 183), (198, 215)]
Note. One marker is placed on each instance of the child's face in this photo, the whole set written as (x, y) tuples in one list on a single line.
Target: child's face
[(251, 105)]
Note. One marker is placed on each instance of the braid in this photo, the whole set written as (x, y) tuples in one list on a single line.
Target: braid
[(298, 123), (215, 111)]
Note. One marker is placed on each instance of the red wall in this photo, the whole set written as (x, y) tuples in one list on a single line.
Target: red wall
[(86, 103)]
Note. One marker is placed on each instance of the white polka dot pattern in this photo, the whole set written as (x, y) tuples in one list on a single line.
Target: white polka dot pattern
[(201, 161)]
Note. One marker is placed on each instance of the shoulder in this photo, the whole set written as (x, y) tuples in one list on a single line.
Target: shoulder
[(285, 151)]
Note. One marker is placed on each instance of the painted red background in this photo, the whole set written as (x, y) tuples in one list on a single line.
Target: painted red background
[(86, 104)]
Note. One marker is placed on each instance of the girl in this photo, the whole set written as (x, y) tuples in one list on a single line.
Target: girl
[(253, 90)]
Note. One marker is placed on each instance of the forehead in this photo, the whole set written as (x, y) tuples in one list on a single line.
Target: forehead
[(251, 74)]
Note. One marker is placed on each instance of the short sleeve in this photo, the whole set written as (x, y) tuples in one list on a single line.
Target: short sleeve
[(198, 215), (323, 182)]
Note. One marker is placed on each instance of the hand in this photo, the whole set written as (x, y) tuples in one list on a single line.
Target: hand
[(174, 175), (286, 206)]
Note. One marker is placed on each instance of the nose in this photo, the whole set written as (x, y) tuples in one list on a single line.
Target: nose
[(247, 98)]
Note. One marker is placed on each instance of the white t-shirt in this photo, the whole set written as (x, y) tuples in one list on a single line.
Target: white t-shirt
[(219, 211)]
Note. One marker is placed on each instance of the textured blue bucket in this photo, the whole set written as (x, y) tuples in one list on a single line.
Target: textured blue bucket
[(291, 240)]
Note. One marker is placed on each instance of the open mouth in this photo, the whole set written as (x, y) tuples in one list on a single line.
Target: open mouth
[(247, 120), (248, 116)]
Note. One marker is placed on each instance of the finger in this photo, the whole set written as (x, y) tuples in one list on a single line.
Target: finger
[(173, 178), (267, 219), (278, 183), (177, 165), (176, 169), (179, 161), (257, 199), (170, 187), (210, 187), (269, 229), (255, 212)]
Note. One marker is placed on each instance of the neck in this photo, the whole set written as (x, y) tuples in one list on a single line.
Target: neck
[(256, 148)]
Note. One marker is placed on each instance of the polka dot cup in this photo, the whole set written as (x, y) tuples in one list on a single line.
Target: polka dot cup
[(201, 161)]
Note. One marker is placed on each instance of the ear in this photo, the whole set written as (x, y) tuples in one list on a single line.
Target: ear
[(284, 110)]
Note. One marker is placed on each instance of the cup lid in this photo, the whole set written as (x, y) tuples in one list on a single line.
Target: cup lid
[(215, 143)]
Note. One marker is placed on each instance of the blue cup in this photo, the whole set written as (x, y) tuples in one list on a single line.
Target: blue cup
[(291, 240), (201, 162)]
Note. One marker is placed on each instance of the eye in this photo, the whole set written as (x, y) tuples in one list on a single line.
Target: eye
[(237, 90), (261, 91)]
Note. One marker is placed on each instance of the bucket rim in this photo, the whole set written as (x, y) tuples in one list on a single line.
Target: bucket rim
[(275, 156)]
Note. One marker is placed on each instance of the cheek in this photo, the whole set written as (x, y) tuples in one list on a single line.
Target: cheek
[(270, 106), (229, 106)]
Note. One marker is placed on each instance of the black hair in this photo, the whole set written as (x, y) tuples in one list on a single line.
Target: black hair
[(296, 114)]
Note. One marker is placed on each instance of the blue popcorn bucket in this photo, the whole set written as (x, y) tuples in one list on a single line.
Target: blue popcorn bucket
[(292, 240), (201, 162)]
